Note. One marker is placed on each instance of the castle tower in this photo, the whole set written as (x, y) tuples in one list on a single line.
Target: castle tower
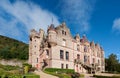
[(52, 35), (32, 34), (34, 47)]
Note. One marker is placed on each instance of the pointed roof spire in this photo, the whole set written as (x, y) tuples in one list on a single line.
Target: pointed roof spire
[(63, 23), (97, 45), (92, 43), (78, 36)]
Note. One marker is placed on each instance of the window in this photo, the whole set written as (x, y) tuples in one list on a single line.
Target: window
[(47, 52), (67, 55), (85, 58), (61, 54), (78, 56), (64, 42), (62, 66), (78, 47), (85, 49), (65, 33), (62, 31), (93, 60), (88, 59), (37, 60), (66, 66)]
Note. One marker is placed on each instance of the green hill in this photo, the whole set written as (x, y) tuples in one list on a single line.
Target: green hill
[(13, 49)]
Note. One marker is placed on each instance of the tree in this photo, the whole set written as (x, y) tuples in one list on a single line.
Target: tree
[(111, 63)]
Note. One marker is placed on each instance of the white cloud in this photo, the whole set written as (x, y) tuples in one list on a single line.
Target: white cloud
[(116, 24), (78, 12), (27, 14)]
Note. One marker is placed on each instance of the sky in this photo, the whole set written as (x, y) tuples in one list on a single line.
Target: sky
[(99, 20)]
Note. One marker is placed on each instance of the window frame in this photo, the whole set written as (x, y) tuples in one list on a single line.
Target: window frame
[(67, 55), (61, 54)]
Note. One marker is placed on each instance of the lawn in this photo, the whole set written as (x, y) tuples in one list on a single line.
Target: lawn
[(62, 73)]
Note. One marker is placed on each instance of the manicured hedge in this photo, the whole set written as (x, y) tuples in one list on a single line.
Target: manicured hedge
[(57, 70)]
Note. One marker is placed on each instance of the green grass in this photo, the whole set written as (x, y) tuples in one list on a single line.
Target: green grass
[(31, 76), (61, 73)]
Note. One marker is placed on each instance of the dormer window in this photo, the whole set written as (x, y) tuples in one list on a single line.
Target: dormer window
[(85, 48), (63, 32), (64, 42)]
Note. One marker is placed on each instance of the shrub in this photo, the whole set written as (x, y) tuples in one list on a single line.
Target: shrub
[(26, 64), (81, 75), (75, 75), (26, 68), (32, 69), (67, 71)]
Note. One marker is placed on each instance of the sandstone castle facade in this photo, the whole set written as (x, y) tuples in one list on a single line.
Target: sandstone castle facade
[(58, 49)]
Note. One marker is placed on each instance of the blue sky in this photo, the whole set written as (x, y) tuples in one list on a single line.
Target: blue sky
[(98, 19)]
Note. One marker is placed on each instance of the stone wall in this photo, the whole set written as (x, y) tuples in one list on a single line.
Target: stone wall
[(12, 62)]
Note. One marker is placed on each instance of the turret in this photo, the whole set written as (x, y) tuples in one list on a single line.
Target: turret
[(97, 46), (32, 33), (52, 35), (84, 40), (77, 37), (41, 33), (92, 44)]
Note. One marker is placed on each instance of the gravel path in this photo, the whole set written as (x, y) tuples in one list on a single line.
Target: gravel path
[(44, 75)]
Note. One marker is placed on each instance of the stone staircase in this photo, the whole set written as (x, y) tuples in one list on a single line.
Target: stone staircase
[(44, 75), (88, 67)]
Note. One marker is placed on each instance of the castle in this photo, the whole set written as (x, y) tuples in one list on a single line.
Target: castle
[(58, 49)]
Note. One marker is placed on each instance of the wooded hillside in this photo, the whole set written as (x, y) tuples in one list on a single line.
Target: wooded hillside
[(13, 49)]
